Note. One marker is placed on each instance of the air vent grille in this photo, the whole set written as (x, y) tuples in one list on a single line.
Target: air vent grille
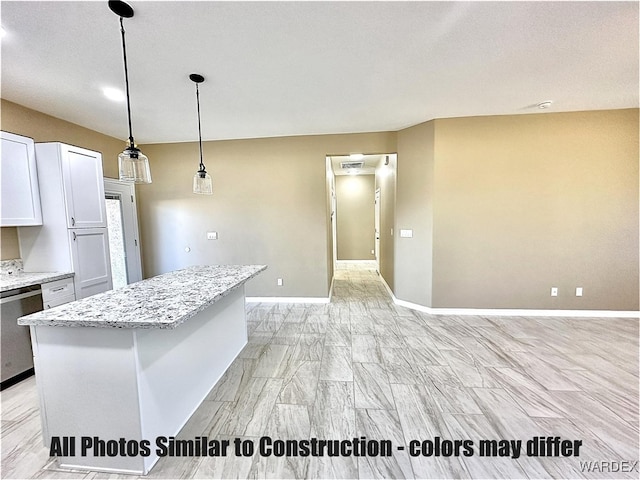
[(349, 165)]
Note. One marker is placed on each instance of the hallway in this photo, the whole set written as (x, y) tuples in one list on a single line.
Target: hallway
[(362, 366)]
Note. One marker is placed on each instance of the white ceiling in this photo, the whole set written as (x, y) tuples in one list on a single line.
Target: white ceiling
[(295, 68)]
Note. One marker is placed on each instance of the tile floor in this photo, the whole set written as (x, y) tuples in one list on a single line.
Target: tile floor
[(362, 366)]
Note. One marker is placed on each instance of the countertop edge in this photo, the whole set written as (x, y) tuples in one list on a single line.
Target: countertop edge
[(46, 278), (143, 325)]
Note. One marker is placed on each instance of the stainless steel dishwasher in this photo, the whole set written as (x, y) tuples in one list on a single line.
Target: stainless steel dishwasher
[(15, 340)]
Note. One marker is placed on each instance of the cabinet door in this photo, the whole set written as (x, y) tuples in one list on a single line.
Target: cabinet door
[(83, 187), (20, 194), (90, 260)]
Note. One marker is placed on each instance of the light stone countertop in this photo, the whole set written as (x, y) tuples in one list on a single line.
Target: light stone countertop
[(164, 301), (11, 281)]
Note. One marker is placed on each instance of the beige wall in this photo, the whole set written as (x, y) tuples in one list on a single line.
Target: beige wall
[(355, 215), (414, 211), (386, 182), (20, 120), (9, 247), (269, 207), (527, 202), (502, 208)]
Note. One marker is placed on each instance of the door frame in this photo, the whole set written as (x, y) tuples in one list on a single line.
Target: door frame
[(376, 223), (130, 228)]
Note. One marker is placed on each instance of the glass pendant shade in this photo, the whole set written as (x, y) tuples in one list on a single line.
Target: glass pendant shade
[(134, 166), (202, 183)]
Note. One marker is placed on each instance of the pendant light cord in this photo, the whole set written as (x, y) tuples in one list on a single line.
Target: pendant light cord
[(126, 81), (199, 128)]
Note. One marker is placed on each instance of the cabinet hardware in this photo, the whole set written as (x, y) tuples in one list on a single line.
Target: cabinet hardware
[(73, 222), (74, 236), (57, 289)]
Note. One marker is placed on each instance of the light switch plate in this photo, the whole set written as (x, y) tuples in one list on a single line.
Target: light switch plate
[(578, 291), (406, 233)]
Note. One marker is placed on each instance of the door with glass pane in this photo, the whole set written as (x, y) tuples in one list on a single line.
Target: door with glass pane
[(122, 222)]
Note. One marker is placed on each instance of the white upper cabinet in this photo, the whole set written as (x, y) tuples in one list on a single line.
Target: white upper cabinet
[(20, 193), (83, 184)]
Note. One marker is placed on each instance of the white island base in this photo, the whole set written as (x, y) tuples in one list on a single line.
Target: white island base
[(132, 383)]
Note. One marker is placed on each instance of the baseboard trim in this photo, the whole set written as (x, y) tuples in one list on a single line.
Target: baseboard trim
[(287, 299), (511, 312)]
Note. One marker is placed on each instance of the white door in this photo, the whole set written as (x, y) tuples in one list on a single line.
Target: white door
[(90, 261), (122, 220), (377, 227), (83, 187)]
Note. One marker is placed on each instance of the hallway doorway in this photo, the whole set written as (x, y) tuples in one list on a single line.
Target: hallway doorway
[(361, 210)]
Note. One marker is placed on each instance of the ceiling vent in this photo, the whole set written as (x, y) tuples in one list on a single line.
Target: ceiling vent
[(349, 165)]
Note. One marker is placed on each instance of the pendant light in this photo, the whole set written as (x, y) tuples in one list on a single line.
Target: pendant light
[(132, 163), (202, 183)]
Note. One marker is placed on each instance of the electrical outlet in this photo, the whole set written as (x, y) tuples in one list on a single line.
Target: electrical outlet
[(578, 291), (212, 235), (373, 252), (554, 291), (280, 282)]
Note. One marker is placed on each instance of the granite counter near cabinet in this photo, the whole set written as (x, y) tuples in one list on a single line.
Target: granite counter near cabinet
[(164, 301), (13, 277)]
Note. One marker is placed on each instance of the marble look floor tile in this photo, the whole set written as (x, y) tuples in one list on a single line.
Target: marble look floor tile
[(412, 327), (383, 425), (336, 364), (476, 428), (371, 386), (253, 408), (309, 347), (593, 450), (269, 364), (365, 349), (287, 422), (401, 366), (270, 324), (252, 350), (498, 402), (532, 397), (229, 466), (300, 382), (333, 467), (334, 414), (465, 368), (453, 399), (424, 351), (547, 376), (593, 416), (624, 406), (239, 373), (315, 324), (338, 335)]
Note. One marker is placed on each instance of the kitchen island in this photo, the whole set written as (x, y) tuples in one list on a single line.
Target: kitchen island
[(136, 362)]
